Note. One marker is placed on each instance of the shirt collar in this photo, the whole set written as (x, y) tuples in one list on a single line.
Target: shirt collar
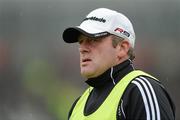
[(115, 73)]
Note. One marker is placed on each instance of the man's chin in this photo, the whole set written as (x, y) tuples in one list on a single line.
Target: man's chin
[(87, 74)]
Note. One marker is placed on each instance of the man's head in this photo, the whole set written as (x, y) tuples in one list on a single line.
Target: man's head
[(106, 39)]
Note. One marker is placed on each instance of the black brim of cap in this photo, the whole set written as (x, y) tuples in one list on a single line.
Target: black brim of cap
[(70, 35)]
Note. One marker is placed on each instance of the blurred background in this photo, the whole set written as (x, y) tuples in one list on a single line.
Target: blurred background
[(39, 73)]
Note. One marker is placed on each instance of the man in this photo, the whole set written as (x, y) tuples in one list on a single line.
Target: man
[(117, 91)]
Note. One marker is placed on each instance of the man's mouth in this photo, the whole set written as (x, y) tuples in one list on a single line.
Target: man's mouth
[(86, 60)]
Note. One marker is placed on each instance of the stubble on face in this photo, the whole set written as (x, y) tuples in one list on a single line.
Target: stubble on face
[(96, 57)]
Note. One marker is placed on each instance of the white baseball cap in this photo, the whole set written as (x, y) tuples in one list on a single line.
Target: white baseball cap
[(102, 22)]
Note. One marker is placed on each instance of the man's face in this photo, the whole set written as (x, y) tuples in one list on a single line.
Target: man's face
[(96, 55)]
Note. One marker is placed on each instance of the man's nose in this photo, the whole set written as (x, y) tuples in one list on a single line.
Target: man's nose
[(84, 47)]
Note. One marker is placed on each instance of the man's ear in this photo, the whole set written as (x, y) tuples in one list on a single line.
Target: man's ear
[(123, 48)]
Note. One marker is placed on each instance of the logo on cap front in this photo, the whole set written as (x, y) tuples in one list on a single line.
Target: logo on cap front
[(120, 30), (95, 19)]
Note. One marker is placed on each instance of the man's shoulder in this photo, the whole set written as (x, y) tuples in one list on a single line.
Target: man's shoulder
[(143, 83), (148, 93)]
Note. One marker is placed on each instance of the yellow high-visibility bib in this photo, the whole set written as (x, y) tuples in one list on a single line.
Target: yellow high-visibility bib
[(108, 109)]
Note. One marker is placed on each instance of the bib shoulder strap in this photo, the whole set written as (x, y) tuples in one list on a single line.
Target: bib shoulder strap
[(137, 73)]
